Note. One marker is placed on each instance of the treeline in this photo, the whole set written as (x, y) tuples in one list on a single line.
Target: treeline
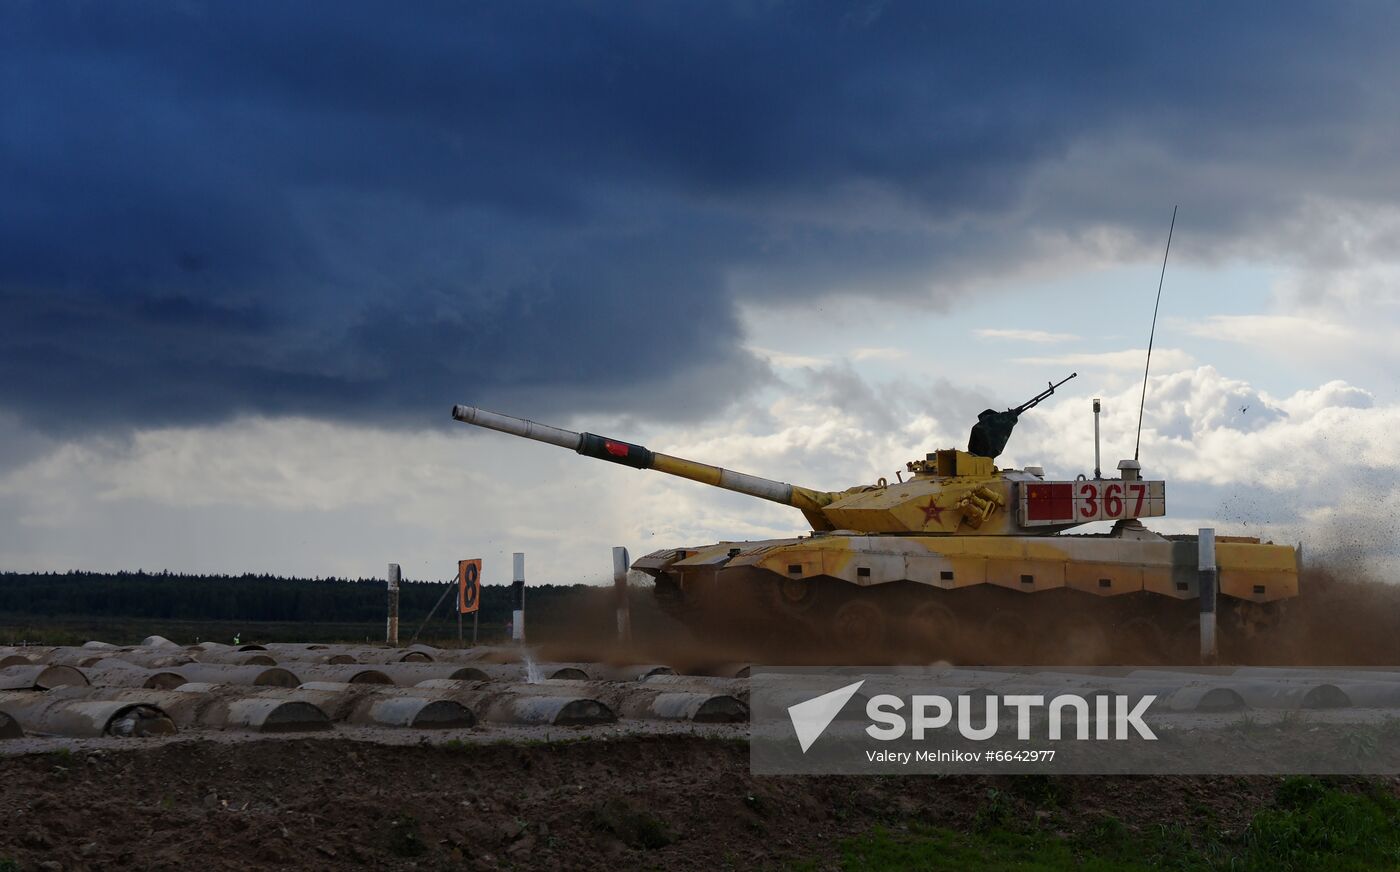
[(262, 598)]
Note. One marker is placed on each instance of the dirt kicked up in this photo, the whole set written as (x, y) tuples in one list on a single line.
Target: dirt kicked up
[(672, 802)]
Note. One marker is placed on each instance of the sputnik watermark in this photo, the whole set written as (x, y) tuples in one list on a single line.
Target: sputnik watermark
[(811, 718), (935, 712), (931, 712), (1065, 720)]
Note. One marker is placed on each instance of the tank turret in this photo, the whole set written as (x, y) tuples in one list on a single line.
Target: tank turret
[(950, 492)]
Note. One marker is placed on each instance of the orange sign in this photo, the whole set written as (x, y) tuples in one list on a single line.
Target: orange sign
[(468, 585)]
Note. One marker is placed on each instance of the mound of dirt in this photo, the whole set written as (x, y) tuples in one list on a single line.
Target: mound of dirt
[(630, 802)]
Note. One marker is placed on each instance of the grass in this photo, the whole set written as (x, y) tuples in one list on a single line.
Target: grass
[(1309, 826)]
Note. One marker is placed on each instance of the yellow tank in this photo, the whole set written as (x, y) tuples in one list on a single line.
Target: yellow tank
[(939, 563)]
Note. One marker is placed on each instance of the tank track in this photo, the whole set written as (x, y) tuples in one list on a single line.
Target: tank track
[(829, 621)]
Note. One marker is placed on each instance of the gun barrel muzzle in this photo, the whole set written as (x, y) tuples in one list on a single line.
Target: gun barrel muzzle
[(517, 427)]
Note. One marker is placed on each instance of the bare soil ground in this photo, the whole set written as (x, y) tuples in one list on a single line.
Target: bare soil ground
[(672, 802)]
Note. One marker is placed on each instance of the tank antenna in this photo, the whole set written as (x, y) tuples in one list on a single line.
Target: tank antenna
[(1142, 404)]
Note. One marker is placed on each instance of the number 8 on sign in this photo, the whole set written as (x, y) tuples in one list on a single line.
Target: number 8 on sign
[(468, 585)]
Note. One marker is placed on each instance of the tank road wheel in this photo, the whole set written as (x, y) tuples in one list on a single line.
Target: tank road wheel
[(1079, 639), (795, 596), (932, 631), (1008, 638), (1141, 639), (859, 627), (1250, 620)]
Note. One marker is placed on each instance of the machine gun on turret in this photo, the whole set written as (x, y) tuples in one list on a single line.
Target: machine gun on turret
[(993, 428)]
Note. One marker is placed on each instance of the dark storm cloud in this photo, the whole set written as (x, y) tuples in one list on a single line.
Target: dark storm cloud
[(369, 209)]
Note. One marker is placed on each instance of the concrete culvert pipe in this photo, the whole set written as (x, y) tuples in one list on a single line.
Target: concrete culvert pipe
[(1335, 674), (1372, 694), (460, 686), (253, 676), (294, 647), (157, 642), (735, 687), (154, 658), (409, 674), (40, 677), (1326, 696), (89, 718), (630, 673), (33, 652), (394, 657), (237, 658), (343, 674), (274, 716), (336, 704), (422, 713), (314, 658), (1290, 694), (339, 658), (183, 709), (701, 708), (721, 670), (10, 728), (139, 721), (558, 711), (1204, 698), (476, 655), (367, 654), (119, 673), (81, 657), (518, 672), (328, 685), (163, 680)]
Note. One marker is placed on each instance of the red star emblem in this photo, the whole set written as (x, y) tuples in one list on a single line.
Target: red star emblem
[(932, 512)]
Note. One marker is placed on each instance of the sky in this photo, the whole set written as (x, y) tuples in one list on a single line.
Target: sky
[(251, 254)]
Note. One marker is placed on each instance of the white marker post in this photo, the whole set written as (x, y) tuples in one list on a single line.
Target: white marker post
[(621, 562), (391, 630), (517, 621), (1207, 586)]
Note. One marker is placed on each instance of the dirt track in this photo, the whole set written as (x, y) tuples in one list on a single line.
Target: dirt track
[(649, 802), (625, 801)]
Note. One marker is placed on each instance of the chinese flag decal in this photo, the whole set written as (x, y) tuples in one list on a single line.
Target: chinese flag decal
[(616, 449)]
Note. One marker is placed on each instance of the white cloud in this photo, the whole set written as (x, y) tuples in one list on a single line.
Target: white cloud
[(1025, 335), (787, 361), (1133, 358), (1273, 331), (299, 496), (1251, 461), (861, 354)]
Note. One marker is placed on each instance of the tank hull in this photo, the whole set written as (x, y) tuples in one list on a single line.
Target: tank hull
[(1014, 599)]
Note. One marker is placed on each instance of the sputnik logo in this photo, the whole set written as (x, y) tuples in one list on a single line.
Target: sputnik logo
[(811, 718)]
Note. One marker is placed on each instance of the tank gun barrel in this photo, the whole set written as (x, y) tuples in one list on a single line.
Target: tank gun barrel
[(640, 457)]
